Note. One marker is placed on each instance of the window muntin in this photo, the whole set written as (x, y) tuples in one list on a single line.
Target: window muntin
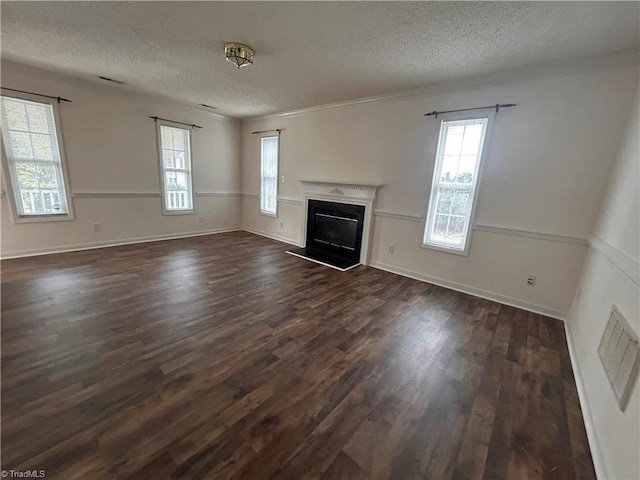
[(269, 175), (175, 147), (33, 156), (455, 181)]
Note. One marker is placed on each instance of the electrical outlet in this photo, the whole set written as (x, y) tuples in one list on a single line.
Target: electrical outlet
[(282, 178), (201, 219), (531, 280), (96, 227), (281, 224), (392, 249)]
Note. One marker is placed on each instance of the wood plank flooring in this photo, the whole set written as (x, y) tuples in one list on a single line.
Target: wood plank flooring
[(222, 357)]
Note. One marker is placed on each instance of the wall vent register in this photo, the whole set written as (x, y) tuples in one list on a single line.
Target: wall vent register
[(619, 351)]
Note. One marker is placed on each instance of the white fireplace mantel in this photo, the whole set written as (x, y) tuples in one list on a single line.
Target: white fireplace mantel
[(351, 193)]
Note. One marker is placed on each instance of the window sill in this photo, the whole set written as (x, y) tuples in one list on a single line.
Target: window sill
[(440, 248), (44, 218), (269, 214), (178, 212)]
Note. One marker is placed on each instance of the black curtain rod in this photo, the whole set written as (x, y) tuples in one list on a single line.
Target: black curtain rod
[(266, 131), (192, 125), (59, 99), (497, 106)]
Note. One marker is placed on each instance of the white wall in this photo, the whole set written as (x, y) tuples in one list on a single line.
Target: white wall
[(110, 144), (610, 277), (546, 172)]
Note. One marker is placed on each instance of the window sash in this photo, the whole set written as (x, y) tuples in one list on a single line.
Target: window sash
[(176, 200), (269, 153), (36, 200), (448, 223)]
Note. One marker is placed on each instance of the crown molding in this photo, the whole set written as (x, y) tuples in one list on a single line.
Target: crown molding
[(510, 77)]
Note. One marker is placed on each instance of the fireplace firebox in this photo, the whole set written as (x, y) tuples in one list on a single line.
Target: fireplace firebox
[(334, 233)]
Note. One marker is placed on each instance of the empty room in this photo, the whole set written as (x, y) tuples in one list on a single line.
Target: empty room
[(320, 240)]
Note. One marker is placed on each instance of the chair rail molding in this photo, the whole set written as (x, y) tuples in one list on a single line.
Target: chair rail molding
[(218, 194), (629, 267), (530, 234), (116, 194)]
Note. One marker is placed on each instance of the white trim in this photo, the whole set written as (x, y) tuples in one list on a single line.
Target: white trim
[(115, 243), (596, 452), (474, 188), (116, 194), (492, 80), (516, 232), (279, 238), (459, 287), (445, 249), (410, 217), (218, 194), (623, 262), (291, 200), (353, 190), (322, 263), (8, 165), (188, 171), (147, 194), (531, 234), (264, 137), (250, 195)]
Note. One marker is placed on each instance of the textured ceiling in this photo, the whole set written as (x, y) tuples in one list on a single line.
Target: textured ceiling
[(307, 53)]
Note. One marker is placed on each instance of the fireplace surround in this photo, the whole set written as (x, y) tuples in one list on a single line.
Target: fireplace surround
[(337, 219)]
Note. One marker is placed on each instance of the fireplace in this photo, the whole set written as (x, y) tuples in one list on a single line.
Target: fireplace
[(337, 220)]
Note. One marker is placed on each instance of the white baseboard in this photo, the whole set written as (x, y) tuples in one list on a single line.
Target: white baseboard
[(594, 445), (114, 243), (459, 287), (280, 238)]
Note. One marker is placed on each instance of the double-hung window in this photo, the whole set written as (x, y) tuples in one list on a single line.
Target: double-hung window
[(175, 168), (455, 183), (269, 176), (34, 162)]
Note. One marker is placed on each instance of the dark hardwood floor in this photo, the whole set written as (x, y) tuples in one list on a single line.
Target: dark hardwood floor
[(223, 357)]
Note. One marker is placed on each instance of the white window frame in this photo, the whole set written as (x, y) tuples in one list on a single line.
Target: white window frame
[(262, 211), (8, 172), (161, 168), (474, 187)]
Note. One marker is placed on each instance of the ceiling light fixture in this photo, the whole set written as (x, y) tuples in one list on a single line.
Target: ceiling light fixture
[(238, 54)]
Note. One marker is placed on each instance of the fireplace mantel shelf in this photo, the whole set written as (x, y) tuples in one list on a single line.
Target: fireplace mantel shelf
[(350, 184), (340, 189), (340, 184)]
